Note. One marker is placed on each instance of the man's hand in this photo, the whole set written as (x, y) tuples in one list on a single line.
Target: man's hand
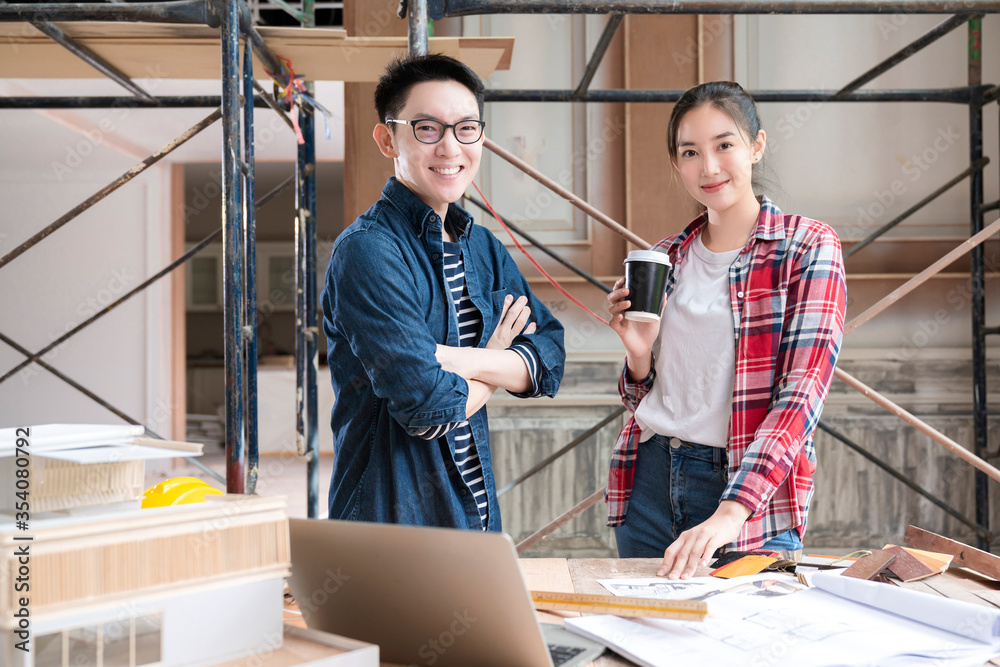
[(494, 365), (463, 360), (695, 547), (513, 319)]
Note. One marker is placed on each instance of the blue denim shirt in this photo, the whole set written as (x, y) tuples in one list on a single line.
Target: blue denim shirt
[(385, 308)]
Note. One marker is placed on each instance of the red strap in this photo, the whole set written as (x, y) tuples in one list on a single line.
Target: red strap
[(531, 259)]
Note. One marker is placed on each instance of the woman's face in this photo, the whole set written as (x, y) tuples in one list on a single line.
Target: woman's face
[(715, 157)]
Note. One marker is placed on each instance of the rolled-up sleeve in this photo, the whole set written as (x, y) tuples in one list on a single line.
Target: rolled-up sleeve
[(534, 366), (547, 340), (810, 343), (369, 300), (631, 392)]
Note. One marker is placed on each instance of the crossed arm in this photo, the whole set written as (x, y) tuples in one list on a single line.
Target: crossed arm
[(494, 366)]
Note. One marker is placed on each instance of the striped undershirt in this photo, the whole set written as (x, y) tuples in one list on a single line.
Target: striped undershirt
[(469, 328)]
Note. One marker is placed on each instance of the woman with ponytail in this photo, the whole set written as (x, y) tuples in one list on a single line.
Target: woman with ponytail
[(726, 389)]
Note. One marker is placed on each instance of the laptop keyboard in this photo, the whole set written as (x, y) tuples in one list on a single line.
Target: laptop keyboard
[(563, 654)]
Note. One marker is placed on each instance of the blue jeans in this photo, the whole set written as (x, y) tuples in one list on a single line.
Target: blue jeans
[(677, 486), (786, 541)]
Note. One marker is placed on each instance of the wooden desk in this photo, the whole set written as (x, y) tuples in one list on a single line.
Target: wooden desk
[(580, 576)]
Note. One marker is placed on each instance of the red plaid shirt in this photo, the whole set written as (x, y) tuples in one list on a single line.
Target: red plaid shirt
[(788, 294)]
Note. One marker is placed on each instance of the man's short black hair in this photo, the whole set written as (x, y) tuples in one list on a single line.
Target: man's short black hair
[(402, 74)]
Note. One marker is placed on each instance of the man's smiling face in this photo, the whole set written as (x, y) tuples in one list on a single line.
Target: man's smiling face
[(437, 173)]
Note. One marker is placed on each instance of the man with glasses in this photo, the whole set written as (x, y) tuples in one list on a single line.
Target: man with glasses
[(426, 315)]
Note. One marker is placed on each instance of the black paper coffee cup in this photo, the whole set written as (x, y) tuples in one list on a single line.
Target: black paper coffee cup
[(646, 273)]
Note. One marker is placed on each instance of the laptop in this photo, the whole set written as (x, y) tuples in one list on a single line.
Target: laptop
[(426, 596)]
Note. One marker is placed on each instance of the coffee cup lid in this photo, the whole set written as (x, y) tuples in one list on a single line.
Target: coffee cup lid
[(648, 256)]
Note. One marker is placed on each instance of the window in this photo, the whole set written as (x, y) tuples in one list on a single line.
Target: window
[(110, 644)]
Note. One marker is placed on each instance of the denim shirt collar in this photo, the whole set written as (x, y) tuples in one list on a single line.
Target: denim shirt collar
[(420, 215)]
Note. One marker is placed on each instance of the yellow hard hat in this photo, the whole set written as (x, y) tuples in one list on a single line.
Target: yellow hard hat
[(178, 491)]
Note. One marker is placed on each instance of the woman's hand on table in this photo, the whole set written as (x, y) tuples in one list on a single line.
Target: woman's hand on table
[(695, 547)]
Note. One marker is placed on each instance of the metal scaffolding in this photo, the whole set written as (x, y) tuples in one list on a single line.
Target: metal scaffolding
[(233, 18), (236, 108)]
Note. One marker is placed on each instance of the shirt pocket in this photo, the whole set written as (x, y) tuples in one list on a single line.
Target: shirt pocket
[(761, 323), (490, 311)]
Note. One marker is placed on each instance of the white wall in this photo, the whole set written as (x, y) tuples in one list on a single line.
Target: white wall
[(46, 169)]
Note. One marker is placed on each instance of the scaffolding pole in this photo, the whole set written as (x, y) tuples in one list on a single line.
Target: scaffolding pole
[(194, 250), (213, 13), (977, 167), (961, 95), (110, 187), (106, 102), (85, 54), (416, 27), (306, 353), (978, 271), (898, 476), (306, 325), (249, 231), (180, 11), (921, 42), (232, 209), (441, 8)]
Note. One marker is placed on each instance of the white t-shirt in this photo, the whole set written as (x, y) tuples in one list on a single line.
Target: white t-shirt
[(695, 354)]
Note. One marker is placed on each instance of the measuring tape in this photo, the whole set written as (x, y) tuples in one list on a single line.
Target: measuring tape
[(684, 610)]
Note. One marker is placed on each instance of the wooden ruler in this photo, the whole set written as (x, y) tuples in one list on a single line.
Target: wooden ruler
[(685, 610), (965, 556)]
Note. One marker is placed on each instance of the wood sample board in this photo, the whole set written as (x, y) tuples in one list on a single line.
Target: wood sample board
[(965, 555)]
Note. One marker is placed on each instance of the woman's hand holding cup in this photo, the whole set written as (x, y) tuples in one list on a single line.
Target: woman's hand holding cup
[(638, 337)]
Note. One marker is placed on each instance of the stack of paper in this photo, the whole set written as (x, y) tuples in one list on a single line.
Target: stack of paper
[(840, 622)]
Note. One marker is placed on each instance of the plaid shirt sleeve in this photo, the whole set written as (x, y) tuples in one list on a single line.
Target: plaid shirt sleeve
[(622, 471), (779, 451), (632, 393)]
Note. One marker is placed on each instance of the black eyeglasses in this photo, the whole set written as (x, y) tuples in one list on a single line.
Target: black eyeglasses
[(428, 131)]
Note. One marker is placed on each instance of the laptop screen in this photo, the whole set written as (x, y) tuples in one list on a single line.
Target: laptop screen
[(426, 596)]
